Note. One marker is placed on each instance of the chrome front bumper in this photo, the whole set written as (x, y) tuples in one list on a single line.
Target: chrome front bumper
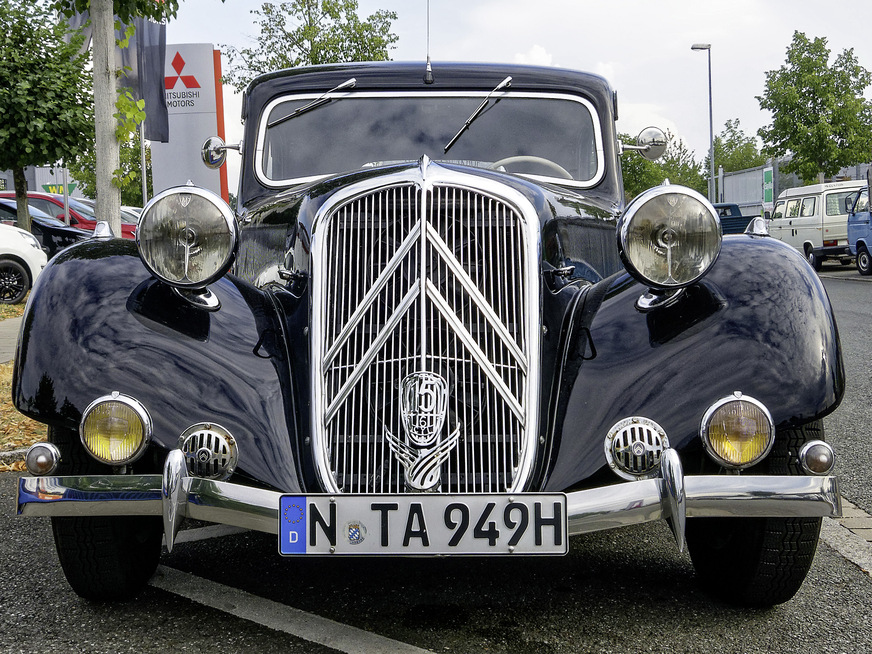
[(175, 496)]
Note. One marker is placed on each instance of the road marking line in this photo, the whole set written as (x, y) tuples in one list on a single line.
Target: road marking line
[(848, 544), (274, 615)]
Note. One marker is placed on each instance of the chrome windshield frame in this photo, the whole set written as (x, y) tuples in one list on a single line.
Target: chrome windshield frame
[(263, 121)]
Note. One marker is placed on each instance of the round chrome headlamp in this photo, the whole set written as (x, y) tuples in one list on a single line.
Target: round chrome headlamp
[(669, 237), (737, 431), (187, 237), (115, 429)]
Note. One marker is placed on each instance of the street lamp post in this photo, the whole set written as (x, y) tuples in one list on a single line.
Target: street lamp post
[(711, 186)]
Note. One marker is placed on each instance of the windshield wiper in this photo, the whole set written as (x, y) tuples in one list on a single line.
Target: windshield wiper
[(317, 102), (475, 114)]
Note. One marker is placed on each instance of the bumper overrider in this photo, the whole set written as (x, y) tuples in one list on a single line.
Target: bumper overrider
[(671, 496)]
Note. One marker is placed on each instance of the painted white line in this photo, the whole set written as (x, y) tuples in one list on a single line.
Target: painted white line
[(848, 544), (274, 615)]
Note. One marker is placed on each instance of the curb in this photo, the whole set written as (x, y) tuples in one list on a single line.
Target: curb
[(12, 456)]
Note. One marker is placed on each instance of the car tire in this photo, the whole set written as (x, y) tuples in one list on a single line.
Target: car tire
[(864, 265), (104, 558), (14, 281), (813, 260), (758, 562)]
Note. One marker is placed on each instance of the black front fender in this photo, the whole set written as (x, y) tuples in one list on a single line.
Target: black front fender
[(97, 322), (760, 323)]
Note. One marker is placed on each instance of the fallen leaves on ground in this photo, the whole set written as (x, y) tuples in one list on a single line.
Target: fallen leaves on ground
[(16, 430), (12, 310)]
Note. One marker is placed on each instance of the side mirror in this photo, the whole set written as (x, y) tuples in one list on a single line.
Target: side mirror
[(650, 144), (214, 152), (849, 202)]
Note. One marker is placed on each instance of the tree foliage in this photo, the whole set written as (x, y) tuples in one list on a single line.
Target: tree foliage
[(735, 150), (677, 165), (45, 94), (84, 170), (125, 10), (310, 32), (819, 114)]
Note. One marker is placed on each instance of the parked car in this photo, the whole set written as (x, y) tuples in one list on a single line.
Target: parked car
[(128, 214), (859, 231), (81, 215), (53, 235), (434, 328), (732, 220), (21, 261), (814, 221)]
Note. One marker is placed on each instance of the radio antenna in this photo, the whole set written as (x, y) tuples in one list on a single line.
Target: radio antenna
[(428, 73)]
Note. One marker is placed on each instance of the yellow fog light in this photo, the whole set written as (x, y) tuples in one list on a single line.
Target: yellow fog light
[(737, 431), (115, 429)]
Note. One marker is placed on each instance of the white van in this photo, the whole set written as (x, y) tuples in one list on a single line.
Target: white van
[(813, 220)]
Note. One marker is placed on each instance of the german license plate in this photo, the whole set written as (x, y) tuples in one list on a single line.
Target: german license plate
[(428, 524)]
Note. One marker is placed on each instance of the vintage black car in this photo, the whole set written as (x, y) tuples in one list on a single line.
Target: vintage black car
[(433, 327)]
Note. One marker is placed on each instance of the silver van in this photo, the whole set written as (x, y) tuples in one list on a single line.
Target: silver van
[(813, 220)]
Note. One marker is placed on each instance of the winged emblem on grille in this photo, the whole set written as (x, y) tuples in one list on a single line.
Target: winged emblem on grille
[(423, 408)]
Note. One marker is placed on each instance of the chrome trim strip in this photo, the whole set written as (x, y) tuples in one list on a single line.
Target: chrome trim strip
[(475, 350), (480, 301), (372, 352), (620, 505), (261, 175)]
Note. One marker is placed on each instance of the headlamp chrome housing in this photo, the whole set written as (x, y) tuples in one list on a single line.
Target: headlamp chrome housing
[(187, 237), (737, 431), (669, 237), (115, 429)]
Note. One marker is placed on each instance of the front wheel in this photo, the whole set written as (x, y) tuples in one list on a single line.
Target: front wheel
[(758, 561), (814, 260), (104, 558), (864, 265), (14, 281)]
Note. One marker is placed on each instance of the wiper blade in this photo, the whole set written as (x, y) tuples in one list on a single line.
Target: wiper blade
[(322, 99), (475, 114)]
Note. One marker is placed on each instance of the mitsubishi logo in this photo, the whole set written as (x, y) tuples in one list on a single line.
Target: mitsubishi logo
[(178, 65), (423, 407)]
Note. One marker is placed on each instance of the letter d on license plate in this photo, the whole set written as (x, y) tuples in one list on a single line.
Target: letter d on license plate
[(530, 523)]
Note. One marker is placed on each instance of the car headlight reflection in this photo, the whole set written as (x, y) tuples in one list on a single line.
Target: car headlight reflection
[(669, 237), (187, 237)]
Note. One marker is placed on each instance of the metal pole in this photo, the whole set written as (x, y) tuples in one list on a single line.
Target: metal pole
[(142, 163), (711, 185), (711, 134)]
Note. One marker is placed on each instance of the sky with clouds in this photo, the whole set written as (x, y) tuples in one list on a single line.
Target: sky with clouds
[(643, 47)]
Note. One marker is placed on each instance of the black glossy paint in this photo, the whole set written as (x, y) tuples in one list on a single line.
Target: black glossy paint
[(98, 323), (760, 323)]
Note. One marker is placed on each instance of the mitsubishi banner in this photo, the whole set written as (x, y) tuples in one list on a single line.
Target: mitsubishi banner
[(195, 108)]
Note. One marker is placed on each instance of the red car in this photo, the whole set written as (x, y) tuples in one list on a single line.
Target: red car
[(81, 215)]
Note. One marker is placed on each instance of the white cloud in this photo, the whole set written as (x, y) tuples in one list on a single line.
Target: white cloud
[(536, 56)]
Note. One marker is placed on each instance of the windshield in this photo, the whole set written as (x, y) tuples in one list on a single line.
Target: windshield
[(555, 137)]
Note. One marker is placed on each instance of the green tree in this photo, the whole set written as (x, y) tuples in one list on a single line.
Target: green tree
[(45, 94), (103, 15), (677, 165), (309, 32), (84, 170), (735, 150), (819, 114)]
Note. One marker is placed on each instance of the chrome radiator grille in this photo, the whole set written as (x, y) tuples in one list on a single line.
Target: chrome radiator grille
[(432, 279)]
